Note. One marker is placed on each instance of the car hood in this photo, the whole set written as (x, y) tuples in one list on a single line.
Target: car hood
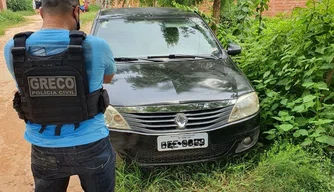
[(175, 82)]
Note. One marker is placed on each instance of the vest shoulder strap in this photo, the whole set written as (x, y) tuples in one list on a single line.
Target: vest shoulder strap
[(76, 37), (20, 42)]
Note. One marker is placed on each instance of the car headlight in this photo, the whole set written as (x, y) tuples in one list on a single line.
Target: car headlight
[(246, 105), (114, 119)]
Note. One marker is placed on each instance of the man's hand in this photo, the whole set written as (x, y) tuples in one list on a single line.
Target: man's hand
[(108, 78)]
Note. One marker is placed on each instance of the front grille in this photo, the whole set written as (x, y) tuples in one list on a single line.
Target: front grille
[(153, 156), (165, 121)]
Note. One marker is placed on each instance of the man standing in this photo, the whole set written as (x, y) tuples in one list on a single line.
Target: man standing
[(59, 73)]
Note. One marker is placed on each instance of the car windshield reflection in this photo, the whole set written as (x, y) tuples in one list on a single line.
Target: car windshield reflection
[(141, 38)]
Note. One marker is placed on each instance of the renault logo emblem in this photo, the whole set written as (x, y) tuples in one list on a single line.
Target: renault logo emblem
[(181, 120)]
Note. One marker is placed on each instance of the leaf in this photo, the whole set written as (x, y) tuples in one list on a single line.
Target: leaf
[(284, 101), (283, 113), (288, 118), (327, 66), (277, 118), (329, 96), (270, 93), (270, 137), (286, 127), (240, 17), (290, 105), (299, 108), (284, 81), (308, 84), (321, 121), (300, 132), (309, 98), (321, 86), (266, 74), (329, 140), (329, 59), (274, 107), (285, 66), (318, 132), (302, 121), (267, 81), (306, 142), (298, 81), (320, 50), (270, 132), (309, 104)]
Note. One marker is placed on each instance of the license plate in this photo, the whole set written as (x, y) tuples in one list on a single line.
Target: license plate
[(182, 141)]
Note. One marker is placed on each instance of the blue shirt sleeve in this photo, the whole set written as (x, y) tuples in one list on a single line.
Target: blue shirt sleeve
[(9, 57), (108, 59)]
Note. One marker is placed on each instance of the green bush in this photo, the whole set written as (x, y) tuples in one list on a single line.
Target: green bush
[(8, 18), (20, 5), (289, 60), (291, 65)]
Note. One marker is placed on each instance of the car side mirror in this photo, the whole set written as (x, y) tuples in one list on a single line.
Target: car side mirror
[(233, 49)]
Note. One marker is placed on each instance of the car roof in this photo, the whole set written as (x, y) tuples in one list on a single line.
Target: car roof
[(144, 12)]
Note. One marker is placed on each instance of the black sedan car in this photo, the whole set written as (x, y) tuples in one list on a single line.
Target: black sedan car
[(177, 96)]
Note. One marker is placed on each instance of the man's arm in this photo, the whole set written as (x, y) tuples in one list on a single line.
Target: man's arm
[(9, 60), (109, 63), (8, 56), (108, 78)]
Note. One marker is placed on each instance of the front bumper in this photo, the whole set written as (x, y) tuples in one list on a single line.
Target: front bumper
[(222, 141)]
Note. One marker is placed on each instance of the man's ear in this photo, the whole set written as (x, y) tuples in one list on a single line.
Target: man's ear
[(41, 12), (76, 11)]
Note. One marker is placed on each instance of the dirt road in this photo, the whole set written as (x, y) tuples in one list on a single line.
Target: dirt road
[(15, 173)]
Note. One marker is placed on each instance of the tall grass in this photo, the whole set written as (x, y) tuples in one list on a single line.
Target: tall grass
[(280, 169), (8, 19)]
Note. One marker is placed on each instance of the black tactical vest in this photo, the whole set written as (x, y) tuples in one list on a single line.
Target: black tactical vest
[(54, 89)]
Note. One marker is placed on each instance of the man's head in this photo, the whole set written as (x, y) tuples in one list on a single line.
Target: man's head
[(61, 13)]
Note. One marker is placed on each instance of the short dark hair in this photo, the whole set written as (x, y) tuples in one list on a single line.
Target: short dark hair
[(59, 6)]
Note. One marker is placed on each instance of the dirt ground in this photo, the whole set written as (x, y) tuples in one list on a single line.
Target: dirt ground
[(15, 173)]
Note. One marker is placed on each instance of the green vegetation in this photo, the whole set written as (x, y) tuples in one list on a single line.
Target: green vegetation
[(290, 63), (281, 168), (25, 13), (20, 5), (8, 19), (17, 9), (90, 15), (289, 60)]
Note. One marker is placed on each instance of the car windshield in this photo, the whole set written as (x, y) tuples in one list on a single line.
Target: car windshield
[(138, 38)]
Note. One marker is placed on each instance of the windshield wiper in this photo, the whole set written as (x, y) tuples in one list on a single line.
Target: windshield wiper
[(125, 59), (173, 56)]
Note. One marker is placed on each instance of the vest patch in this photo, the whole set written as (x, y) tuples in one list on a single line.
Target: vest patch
[(43, 86)]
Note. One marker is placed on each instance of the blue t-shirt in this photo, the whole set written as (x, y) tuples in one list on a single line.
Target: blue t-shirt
[(99, 62)]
